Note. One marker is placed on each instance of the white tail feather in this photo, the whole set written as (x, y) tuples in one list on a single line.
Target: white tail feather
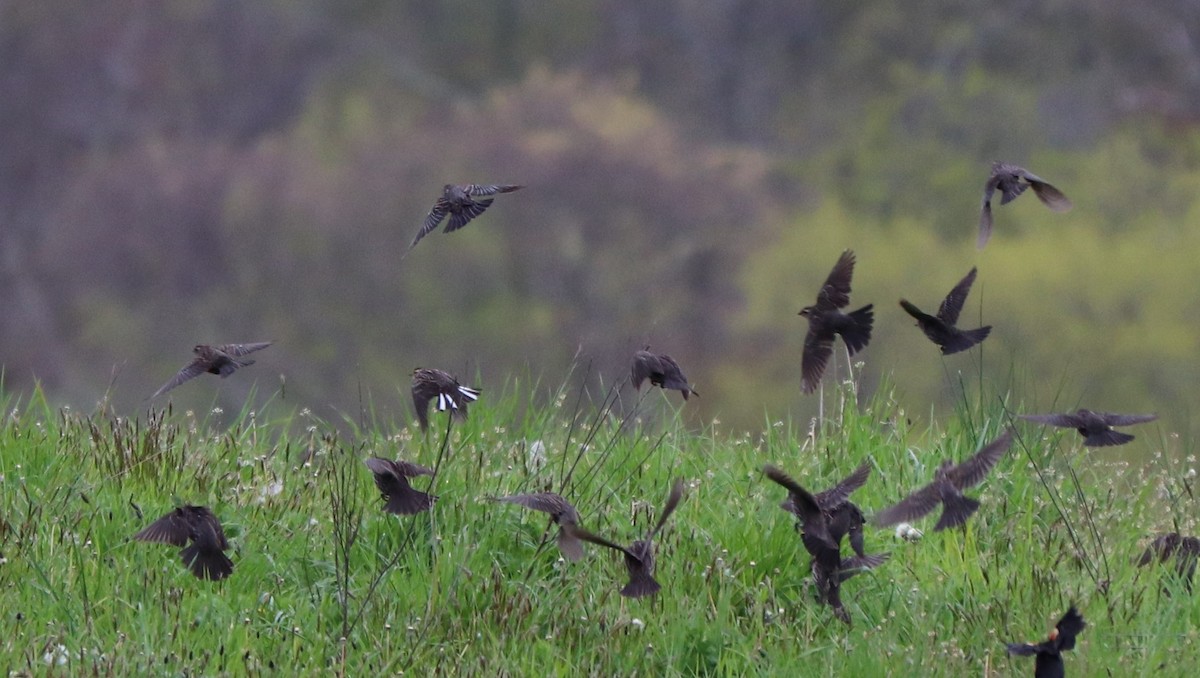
[(469, 392)]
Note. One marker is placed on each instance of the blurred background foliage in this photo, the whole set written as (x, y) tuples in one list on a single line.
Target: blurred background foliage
[(175, 172)]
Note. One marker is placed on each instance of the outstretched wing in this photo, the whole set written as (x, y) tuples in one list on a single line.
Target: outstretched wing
[(1050, 196), (491, 189), (173, 529), (838, 494), (238, 350), (645, 365), (835, 293), (953, 303), (818, 349), (972, 471), (985, 210), (1063, 420), (190, 371), (910, 508), (668, 508), (1126, 419), (432, 220), (546, 502)]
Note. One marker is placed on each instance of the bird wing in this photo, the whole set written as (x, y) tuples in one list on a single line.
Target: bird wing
[(237, 350), (1071, 625), (432, 220), (491, 189), (1022, 649), (985, 210), (580, 533), (197, 367), (1050, 196), (668, 508), (934, 328), (645, 365), (911, 507), (835, 293), (953, 303), (838, 494), (818, 348), (972, 471), (171, 529), (1064, 420), (546, 502), (1126, 419), (204, 519), (806, 505), (468, 212)]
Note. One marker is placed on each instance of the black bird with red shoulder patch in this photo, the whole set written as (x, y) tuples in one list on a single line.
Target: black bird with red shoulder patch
[(1049, 663)]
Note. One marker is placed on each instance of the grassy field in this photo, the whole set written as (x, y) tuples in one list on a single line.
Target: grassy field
[(326, 583)]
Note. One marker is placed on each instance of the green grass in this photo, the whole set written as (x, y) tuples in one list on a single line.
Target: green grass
[(326, 583)]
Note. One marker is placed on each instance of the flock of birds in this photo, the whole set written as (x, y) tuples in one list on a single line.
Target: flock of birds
[(823, 519)]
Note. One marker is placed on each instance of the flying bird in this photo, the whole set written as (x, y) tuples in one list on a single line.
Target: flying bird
[(1185, 550), (1095, 427), (830, 570), (662, 371), (459, 201), (639, 556), (391, 477), (1012, 181), (825, 321), (842, 517), (946, 489), (205, 556), (561, 512), (222, 360), (430, 383), (1049, 663), (814, 522), (941, 328)]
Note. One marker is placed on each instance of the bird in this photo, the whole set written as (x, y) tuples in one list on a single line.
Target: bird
[(662, 371), (1049, 663), (458, 200), (1185, 550), (429, 383), (205, 556), (946, 489), (561, 512), (1012, 182), (222, 360), (842, 517), (391, 477), (639, 556), (1095, 427), (940, 328), (830, 570), (825, 321), (814, 522)]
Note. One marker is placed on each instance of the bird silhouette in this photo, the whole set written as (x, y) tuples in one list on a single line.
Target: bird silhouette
[(639, 556), (1012, 181), (662, 371), (825, 321), (1095, 427), (459, 201), (391, 477), (561, 512), (1049, 663), (946, 489), (941, 328), (1185, 550), (198, 532), (429, 383), (222, 360), (814, 522)]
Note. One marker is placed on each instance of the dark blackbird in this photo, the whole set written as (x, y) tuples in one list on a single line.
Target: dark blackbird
[(825, 321), (391, 477), (814, 522), (459, 202), (563, 514), (222, 360), (430, 383), (1185, 550), (842, 517), (639, 556), (662, 371), (829, 570), (1095, 427), (205, 556), (940, 329), (1049, 663), (946, 488), (1012, 181)]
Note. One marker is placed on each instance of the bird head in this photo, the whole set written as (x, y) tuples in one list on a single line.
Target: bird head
[(198, 348)]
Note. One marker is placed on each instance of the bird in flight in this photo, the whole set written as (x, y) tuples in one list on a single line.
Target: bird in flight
[(561, 512), (1095, 427), (1049, 663), (825, 320), (941, 328), (430, 383), (391, 477), (459, 201), (662, 371), (222, 360), (1012, 181), (639, 556), (205, 556), (946, 489)]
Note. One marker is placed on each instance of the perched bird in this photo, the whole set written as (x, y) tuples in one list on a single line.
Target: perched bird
[(391, 477), (1049, 663), (1185, 550), (459, 202), (1095, 427), (222, 360), (561, 512), (639, 556), (662, 371), (1012, 182), (825, 321), (940, 328), (946, 489), (205, 556), (429, 383)]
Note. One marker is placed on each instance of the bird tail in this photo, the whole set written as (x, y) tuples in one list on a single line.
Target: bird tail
[(230, 367), (206, 563), (1050, 196), (641, 585), (409, 502), (1107, 438), (858, 333), (856, 564), (957, 510), (985, 224), (966, 339)]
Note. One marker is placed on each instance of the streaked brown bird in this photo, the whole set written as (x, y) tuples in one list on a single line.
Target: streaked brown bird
[(1049, 663), (1012, 181), (825, 321), (662, 371), (639, 556), (946, 489), (391, 477), (561, 512), (222, 360), (1095, 427), (430, 384), (205, 556), (941, 328), (459, 201), (1185, 550)]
